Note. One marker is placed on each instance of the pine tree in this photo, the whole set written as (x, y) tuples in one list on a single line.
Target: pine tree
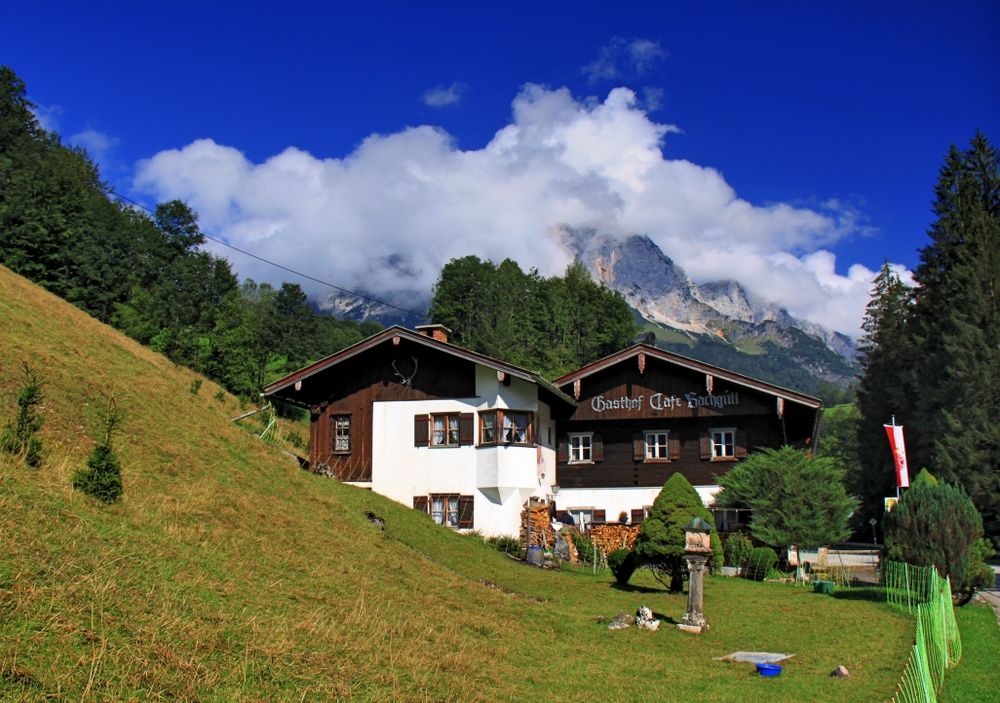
[(20, 437), (102, 478), (795, 500), (955, 331), (935, 523), (883, 392), (660, 543)]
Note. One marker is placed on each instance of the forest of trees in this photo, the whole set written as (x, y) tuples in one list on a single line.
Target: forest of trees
[(931, 353), (145, 273), (550, 325)]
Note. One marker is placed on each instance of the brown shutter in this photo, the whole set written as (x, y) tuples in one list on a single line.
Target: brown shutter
[(466, 504), (599, 517), (562, 454), (421, 504), (673, 447), (741, 444), (597, 448), (421, 430), (705, 446), (638, 447), (466, 435), (637, 516)]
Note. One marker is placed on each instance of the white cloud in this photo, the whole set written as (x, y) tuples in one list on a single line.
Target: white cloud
[(622, 57), (387, 216), (97, 144), (48, 117), (440, 96)]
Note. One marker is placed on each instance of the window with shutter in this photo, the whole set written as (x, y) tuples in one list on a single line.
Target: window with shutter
[(638, 447), (674, 448), (705, 446), (466, 505), (421, 430), (741, 444), (466, 434), (599, 517)]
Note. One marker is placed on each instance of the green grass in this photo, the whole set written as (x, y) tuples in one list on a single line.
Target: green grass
[(977, 676), (228, 574)]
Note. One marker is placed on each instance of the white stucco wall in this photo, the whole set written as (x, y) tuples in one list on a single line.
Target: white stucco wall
[(501, 478), (614, 500)]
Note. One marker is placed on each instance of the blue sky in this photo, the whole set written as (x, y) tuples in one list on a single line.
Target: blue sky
[(828, 122)]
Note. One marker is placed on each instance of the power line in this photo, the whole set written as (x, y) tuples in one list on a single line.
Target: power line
[(421, 315)]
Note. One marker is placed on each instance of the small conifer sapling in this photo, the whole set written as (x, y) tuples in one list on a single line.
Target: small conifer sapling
[(20, 437), (102, 478)]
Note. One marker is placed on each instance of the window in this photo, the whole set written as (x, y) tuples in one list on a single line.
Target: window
[(444, 430), (505, 427), (581, 448), (583, 517), (488, 428), (723, 444), (444, 509), (656, 445), (341, 439), (448, 509), (515, 427)]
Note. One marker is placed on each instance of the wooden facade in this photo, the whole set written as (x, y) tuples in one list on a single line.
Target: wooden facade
[(646, 390), (351, 387)]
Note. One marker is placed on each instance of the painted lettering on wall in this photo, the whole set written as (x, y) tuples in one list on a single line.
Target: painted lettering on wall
[(712, 401), (659, 401)]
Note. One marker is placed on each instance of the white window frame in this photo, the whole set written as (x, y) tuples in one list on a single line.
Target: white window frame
[(582, 517), (657, 448), (581, 448), (724, 445), (341, 427)]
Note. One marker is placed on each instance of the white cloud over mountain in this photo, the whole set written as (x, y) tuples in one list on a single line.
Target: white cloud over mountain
[(386, 217)]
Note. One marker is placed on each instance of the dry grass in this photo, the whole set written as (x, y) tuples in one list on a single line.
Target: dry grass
[(227, 573)]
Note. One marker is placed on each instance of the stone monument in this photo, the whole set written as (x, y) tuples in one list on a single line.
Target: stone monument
[(697, 549)]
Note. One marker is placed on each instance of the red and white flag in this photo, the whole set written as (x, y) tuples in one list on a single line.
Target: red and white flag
[(895, 433)]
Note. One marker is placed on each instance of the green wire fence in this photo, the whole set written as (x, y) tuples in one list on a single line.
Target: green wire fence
[(938, 646)]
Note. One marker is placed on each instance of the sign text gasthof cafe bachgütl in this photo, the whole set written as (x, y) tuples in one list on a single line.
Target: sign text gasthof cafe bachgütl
[(471, 439)]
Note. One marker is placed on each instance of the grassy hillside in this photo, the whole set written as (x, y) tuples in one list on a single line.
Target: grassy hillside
[(226, 573)]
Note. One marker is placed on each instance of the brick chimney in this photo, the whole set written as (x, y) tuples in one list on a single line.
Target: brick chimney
[(438, 332)]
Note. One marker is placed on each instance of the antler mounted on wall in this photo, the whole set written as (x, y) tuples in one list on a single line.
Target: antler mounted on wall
[(405, 380)]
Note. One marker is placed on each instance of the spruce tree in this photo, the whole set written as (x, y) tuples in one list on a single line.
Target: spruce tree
[(20, 437), (102, 477), (955, 332), (936, 524), (882, 393), (660, 543)]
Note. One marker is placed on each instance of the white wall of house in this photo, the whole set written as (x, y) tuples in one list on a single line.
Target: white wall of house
[(615, 500), (501, 478)]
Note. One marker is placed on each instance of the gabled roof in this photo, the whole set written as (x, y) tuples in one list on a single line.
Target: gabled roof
[(410, 335), (692, 364)]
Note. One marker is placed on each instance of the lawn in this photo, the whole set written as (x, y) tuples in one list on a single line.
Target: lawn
[(977, 676), (228, 574)]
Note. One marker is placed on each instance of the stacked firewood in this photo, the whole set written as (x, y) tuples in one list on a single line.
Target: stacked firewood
[(542, 534), (611, 537)]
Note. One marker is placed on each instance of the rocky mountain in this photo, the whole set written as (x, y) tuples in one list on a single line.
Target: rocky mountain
[(719, 322), (352, 307)]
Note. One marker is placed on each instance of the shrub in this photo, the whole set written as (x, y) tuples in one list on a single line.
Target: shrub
[(660, 543), (505, 544), (935, 523), (102, 478), (738, 548), (622, 564), (195, 386), (759, 563), (21, 436)]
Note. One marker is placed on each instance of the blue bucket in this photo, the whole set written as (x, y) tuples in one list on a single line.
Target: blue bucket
[(768, 669), (536, 555)]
